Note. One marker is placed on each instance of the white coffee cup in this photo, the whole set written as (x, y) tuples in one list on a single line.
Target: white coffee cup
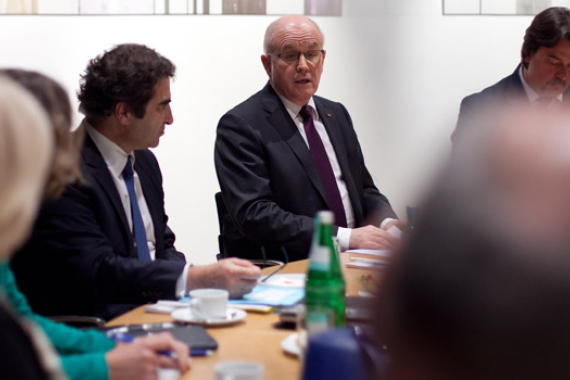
[(208, 303), (239, 370)]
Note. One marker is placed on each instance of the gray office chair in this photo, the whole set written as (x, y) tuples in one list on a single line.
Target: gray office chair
[(79, 321)]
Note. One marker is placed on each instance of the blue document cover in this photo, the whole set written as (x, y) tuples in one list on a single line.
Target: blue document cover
[(271, 296)]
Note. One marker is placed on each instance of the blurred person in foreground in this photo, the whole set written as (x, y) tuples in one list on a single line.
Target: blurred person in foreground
[(481, 289), (105, 246), (25, 153), (541, 79), (285, 153), (84, 355)]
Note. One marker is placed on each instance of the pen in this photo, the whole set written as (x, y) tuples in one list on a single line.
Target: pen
[(200, 352), (126, 338), (120, 337), (272, 273), (281, 267)]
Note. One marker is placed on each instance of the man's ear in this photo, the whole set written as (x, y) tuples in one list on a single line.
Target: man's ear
[(123, 113), (526, 60), (266, 61)]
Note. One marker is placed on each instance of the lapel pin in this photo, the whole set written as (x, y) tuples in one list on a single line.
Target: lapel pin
[(328, 114)]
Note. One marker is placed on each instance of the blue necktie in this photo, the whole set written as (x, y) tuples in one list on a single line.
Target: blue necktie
[(138, 224), (323, 166)]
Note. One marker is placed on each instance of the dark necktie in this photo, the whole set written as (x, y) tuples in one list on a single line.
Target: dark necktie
[(323, 166), (138, 224)]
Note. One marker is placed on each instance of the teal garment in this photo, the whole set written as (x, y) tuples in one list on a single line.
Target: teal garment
[(82, 353)]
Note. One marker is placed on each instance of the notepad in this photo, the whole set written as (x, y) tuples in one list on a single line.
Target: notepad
[(288, 280), (271, 296)]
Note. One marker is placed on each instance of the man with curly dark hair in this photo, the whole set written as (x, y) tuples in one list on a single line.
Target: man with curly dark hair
[(105, 246)]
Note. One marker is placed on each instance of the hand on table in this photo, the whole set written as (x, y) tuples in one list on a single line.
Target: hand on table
[(140, 360), (371, 237), (238, 276)]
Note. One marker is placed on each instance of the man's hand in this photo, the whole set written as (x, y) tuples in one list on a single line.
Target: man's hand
[(371, 237), (238, 276), (140, 360)]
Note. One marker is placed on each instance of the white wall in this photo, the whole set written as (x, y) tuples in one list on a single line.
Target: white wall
[(399, 66)]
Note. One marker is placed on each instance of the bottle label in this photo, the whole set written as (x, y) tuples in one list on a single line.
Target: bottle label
[(319, 320), (320, 259)]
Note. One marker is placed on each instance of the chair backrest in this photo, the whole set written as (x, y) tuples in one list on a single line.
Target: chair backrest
[(230, 240), (221, 207), (222, 210), (223, 214), (79, 321)]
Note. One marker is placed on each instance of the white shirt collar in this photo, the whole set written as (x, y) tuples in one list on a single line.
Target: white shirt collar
[(530, 93), (294, 108), (115, 157)]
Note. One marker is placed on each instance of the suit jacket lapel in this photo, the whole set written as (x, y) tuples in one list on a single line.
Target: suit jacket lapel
[(331, 123), (279, 118), (96, 165)]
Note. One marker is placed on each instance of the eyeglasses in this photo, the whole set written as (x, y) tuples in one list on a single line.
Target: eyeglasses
[(313, 56)]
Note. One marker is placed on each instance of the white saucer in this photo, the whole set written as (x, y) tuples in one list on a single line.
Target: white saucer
[(232, 316), (290, 346)]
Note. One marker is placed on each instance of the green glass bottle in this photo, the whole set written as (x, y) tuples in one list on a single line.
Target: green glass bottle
[(325, 288)]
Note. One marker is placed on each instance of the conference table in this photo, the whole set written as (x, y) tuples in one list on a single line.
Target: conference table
[(255, 338)]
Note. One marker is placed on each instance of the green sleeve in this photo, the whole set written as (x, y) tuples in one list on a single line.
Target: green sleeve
[(16, 299)]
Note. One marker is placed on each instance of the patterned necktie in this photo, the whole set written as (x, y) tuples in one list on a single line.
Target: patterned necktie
[(323, 166), (138, 224)]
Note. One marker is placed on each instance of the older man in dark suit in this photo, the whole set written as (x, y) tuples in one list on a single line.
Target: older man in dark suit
[(284, 154), (541, 79), (105, 245)]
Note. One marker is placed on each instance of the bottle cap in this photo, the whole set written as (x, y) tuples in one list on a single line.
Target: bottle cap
[(326, 217)]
